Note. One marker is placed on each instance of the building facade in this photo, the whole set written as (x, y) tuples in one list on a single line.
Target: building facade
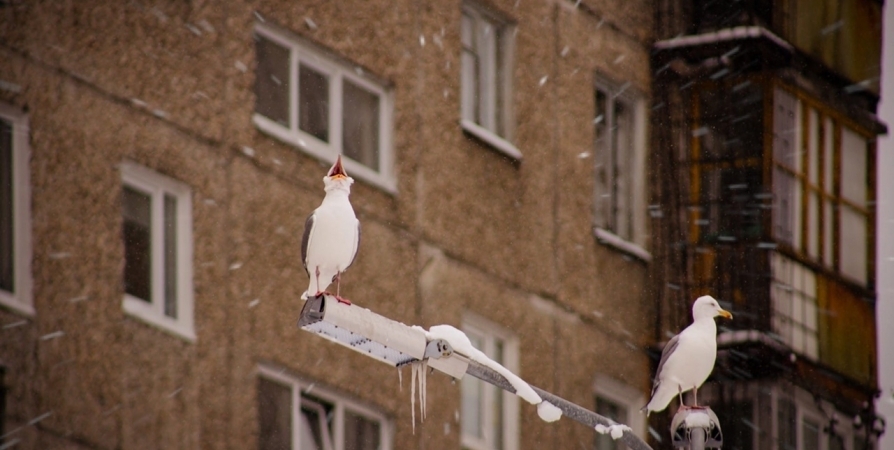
[(159, 161), (763, 158)]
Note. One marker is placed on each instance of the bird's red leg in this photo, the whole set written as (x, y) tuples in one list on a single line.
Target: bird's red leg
[(317, 271), (695, 395), (338, 289)]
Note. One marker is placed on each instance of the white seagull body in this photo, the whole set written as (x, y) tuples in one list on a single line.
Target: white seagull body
[(688, 358), (331, 234)]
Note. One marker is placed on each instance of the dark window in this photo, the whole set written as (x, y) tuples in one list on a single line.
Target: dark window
[(613, 411), (313, 103), (7, 230), (138, 244), (272, 81), (274, 415), (738, 425), (360, 129), (787, 424)]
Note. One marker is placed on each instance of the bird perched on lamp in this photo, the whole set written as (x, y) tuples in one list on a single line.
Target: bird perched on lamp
[(331, 235), (688, 358)]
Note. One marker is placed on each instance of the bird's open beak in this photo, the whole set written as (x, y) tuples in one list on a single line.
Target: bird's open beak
[(725, 313), (337, 170)]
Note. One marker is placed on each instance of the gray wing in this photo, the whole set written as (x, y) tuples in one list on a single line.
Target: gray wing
[(356, 247), (308, 227), (665, 354)]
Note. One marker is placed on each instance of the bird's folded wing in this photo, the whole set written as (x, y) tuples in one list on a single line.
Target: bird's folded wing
[(665, 354), (308, 231)]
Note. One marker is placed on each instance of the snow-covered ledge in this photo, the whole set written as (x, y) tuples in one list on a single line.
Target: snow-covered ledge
[(492, 139), (613, 240)]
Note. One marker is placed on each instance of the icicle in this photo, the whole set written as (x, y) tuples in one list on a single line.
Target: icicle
[(413, 369), (400, 377)]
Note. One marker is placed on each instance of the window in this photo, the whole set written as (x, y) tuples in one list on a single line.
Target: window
[(786, 424), (620, 403), (300, 416), (323, 105), (727, 172), (15, 211), (620, 165), (157, 250), (821, 189), (486, 78), (795, 312), (489, 414)]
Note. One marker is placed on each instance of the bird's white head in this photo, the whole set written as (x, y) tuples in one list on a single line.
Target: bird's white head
[(337, 178), (707, 307)]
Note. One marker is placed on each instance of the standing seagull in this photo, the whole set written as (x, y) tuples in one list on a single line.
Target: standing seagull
[(688, 358), (331, 235)]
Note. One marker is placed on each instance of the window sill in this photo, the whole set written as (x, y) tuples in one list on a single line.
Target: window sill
[(316, 149), (11, 302), (613, 240), (141, 310), (490, 138)]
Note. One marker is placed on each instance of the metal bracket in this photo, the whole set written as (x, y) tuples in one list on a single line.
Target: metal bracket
[(438, 349)]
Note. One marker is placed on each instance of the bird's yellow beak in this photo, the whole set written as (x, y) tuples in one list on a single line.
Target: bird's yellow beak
[(725, 313)]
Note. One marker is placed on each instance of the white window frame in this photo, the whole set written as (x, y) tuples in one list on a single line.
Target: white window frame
[(490, 83), (476, 325), (624, 395), (337, 71), (297, 386), (156, 186), (21, 301), (635, 246)]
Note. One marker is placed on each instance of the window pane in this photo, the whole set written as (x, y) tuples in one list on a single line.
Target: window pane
[(622, 151), (828, 146), (497, 398), (274, 415), (272, 81), (137, 244), (813, 159), (785, 128), (361, 433), (360, 131), (813, 237), (811, 432), (469, 71), (854, 255), (317, 417), (828, 229), (604, 162), (472, 399), (738, 425), (613, 411), (787, 423), (170, 250), (7, 255), (313, 103), (787, 208), (854, 174)]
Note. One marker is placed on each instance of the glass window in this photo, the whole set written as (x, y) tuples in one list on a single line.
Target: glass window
[(786, 424), (360, 132), (15, 211), (488, 412), (484, 72), (272, 81), (324, 420), (313, 102), (275, 415), (157, 230), (613, 411), (619, 172), (323, 105), (810, 432), (7, 252)]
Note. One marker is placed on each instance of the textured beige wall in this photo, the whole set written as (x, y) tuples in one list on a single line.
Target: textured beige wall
[(468, 230)]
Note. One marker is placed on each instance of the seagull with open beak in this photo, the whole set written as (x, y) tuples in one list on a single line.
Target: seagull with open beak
[(688, 358), (331, 235)]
